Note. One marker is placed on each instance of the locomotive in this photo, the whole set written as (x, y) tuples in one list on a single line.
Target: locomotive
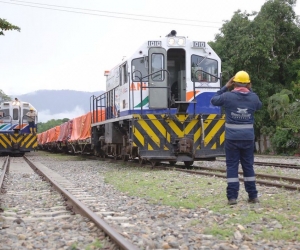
[(157, 104), (15, 136)]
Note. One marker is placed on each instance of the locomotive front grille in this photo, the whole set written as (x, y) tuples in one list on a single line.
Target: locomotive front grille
[(161, 133), (24, 141)]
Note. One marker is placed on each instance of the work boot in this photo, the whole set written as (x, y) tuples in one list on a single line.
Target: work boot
[(253, 200), (232, 202)]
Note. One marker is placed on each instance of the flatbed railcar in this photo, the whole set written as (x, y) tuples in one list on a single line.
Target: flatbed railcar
[(157, 104), (16, 139)]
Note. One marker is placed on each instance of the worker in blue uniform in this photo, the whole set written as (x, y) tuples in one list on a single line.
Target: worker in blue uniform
[(240, 105)]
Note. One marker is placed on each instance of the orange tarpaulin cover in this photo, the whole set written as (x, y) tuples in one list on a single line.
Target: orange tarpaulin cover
[(65, 131), (39, 138), (98, 116), (53, 134), (44, 137), (78, 128), (81, 128)]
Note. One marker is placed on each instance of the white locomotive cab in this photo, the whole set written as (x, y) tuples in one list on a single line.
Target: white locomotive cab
[(166, 71)]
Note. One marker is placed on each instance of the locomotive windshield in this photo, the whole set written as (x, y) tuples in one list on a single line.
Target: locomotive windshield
[(201, 65), (157, 64)]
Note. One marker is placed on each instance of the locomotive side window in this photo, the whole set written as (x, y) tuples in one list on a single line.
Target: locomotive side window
[(123, 74), (201, 66), (157, 64), (138, 66), (15, 114)]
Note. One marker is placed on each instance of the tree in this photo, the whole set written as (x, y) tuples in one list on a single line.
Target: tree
[(4, 97), (266, 45), (4, 26), (279, 105)]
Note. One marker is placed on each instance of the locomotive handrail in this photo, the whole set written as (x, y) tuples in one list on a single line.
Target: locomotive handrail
[(141, 79), (7, 116)]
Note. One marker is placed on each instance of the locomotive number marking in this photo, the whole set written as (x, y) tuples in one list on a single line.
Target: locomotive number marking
[(154, 43), (199, 44)]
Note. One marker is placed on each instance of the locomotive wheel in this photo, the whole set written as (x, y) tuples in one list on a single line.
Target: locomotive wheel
[(154, 163), (141, 161), (172, 163), (188, 163), (125, 157)]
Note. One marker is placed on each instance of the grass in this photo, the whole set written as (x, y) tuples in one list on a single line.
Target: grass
[(277, 217), (62, 157)]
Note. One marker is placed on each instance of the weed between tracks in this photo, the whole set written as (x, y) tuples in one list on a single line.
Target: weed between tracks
[(277, 217)]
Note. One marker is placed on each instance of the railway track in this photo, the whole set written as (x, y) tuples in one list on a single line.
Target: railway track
[(290, 183), (75, 201), (272, 164)]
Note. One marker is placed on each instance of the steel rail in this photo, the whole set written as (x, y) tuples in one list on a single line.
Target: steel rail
[(80, 208), (273, 164), (267, 183), (5, 168), (267, 176)]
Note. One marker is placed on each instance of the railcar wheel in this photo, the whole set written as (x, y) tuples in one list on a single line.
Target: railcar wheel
[(96, 153), (188, 163), (172, 163), (103, 156)]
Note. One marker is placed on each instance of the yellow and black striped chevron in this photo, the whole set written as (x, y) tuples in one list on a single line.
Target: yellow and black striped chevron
[(158, 132), (23, 141)]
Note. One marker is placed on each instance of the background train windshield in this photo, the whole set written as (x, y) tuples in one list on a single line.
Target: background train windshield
[(200, 64), (140, 65), (15, 114), (4, 112)]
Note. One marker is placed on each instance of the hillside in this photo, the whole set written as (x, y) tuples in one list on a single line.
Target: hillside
[(59, 104)]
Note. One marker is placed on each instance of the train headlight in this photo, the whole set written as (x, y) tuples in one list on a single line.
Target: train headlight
[(176, 41), (16, 103), (181, 41), (171, 41)]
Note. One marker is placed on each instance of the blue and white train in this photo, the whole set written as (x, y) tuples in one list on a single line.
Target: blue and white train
[(15, 136)]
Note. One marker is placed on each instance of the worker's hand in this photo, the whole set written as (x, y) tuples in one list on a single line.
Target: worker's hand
[(229, 83)]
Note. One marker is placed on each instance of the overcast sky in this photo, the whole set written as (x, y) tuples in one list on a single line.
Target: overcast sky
[(69, 49)]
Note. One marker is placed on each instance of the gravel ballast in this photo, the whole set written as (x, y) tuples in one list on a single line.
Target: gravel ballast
[(151, 224)]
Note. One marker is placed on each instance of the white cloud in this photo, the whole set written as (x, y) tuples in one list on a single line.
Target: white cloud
[(45, 115)]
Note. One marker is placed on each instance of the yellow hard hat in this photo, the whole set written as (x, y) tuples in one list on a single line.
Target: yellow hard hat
[(31, 108), (242, 77)]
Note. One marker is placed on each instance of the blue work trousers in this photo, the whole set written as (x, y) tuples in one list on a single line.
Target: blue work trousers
[(240, 151)]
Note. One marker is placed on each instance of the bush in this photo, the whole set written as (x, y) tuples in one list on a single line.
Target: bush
[(284, 141)]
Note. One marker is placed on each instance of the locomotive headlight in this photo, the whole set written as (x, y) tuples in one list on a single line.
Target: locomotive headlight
[(171, 41), (181, 41)]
